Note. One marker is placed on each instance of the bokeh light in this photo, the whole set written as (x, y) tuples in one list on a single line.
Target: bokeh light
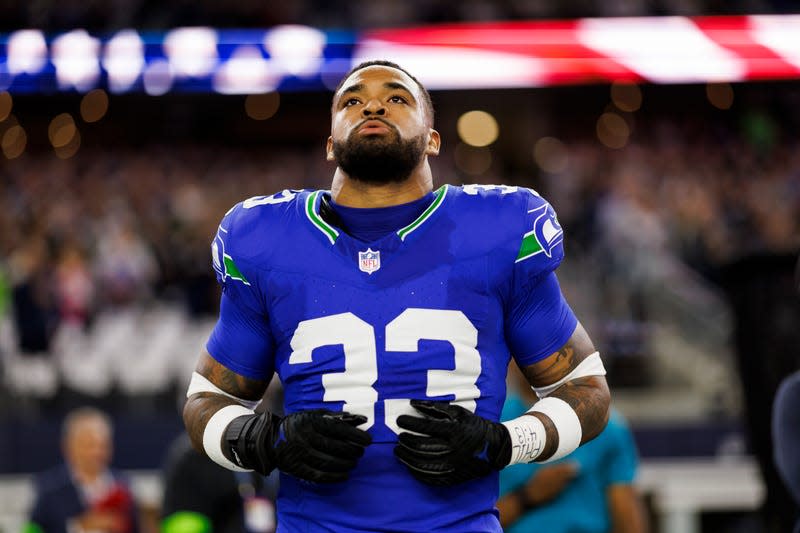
[(76, 58), (71, 148), (477, 128), (14, 141), (612, 130), (626, 96), (246, 72), (262, 106), (6, 103), (27, 52), (551, 155), (720, 95), (124, 60), (472, 160), (94, 105), (61, 130), (296, 49), (157, 78), (192, 51)]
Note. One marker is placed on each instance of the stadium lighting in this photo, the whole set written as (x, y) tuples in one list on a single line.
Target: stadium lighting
[(124, 60), (192, 52), (296, 50), (246, 72), (157, 78), (75, 56), (27, 52)]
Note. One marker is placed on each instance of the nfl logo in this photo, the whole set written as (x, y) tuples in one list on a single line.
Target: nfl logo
[(369, 261)]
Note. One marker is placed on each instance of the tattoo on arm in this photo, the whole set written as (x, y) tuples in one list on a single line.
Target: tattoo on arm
[(588, 396), (200, 407)]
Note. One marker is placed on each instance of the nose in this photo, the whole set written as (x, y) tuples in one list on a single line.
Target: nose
[(374, 107)]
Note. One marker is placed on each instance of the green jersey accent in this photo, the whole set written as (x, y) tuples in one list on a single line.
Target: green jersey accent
[(232, 271), (440, 194), (315, 219), (530, 246), (545, 235)]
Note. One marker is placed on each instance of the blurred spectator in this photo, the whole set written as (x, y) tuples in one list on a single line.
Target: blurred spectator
[(32, 296), (786, 437), (200, 496), (767, 313), (74, 286), (589, 491), (83, 495)]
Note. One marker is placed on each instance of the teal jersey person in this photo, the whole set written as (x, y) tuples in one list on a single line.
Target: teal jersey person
[(589, 491)]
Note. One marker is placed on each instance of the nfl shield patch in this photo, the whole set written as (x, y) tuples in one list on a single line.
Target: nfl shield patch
[(369, 261)]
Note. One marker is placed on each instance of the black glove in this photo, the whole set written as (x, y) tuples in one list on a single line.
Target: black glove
[(458, 445), (316, 445)]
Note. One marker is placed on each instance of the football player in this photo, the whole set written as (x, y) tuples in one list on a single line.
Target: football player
[(390, 312)]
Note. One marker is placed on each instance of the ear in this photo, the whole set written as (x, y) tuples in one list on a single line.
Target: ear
[(434, 142), (329, 149)]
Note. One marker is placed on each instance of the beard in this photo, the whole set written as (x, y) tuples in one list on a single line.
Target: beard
[(379, 159)]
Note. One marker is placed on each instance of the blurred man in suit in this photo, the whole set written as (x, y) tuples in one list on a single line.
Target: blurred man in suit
[(83, 495)]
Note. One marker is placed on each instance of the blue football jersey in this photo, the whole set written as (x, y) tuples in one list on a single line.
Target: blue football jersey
[(434, 310)]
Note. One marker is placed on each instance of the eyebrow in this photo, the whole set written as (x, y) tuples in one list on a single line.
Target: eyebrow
[(358, 87)]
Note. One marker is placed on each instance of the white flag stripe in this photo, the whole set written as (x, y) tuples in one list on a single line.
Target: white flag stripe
[(452, 67), (781, 34), (662, 49)]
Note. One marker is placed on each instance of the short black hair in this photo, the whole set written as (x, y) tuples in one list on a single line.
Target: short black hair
[(384, 63)]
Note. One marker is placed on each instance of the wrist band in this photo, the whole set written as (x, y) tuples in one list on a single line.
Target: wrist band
[(215, 429), (528, 438), (566, 422)]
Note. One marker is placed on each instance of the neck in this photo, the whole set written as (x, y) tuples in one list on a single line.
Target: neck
[(85, 477), (349, 192)]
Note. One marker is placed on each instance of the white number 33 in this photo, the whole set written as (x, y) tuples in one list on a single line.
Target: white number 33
[(354, 386)]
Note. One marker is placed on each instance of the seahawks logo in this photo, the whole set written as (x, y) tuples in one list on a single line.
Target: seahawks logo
[(545, 235), (223, 263)]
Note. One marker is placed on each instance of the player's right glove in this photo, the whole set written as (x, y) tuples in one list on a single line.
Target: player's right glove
[(316, 445)]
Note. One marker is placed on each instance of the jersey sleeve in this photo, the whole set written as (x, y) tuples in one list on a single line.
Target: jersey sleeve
[(539, 320), (241, 340)]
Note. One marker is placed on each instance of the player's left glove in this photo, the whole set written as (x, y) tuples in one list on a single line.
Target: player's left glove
[(455, 446)]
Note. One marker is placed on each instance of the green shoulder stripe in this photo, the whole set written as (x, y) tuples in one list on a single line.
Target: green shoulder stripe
[(437, 201), (328, 230)]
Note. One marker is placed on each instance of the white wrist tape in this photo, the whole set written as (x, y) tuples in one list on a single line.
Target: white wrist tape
[(566, 422), (591, 366), (215, 430), (199, 383), (528, 438)]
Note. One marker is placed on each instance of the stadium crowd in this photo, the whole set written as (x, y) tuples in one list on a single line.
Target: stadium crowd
[(110, 229)]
